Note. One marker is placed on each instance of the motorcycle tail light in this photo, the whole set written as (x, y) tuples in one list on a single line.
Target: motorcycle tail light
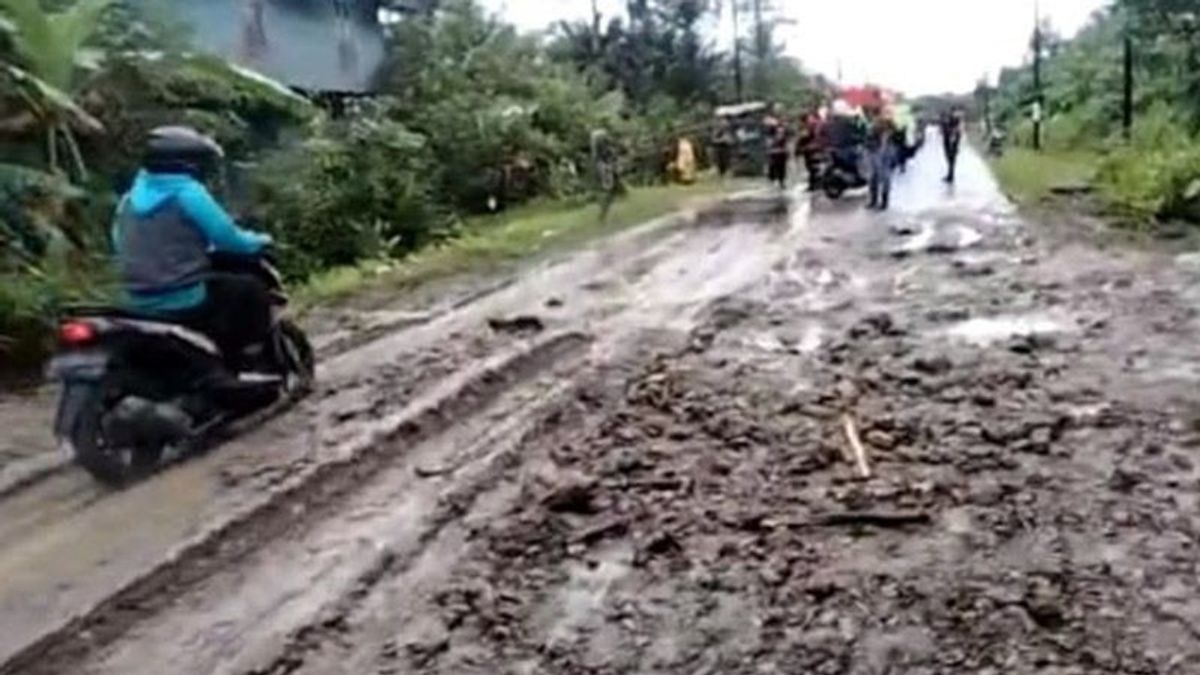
[(76, 333)]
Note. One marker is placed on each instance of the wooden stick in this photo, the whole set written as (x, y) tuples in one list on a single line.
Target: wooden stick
[(877, 518), (860, 453)]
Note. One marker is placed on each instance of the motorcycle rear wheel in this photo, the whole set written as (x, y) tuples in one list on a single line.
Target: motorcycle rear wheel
[(92, 449)]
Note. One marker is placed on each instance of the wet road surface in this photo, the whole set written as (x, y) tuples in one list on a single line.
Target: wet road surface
[(635, 459)]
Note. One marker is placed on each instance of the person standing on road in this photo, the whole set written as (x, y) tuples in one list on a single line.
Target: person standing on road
[(723, 139), (881, 149), (604, 161), (809, 148), (777, 150), (952, 132)]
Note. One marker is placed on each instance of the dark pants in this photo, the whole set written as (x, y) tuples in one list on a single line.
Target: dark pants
[(900, 143), (236, 315), (724, 155), (883, 161), (777, 168), (951, 150), (812, 164)]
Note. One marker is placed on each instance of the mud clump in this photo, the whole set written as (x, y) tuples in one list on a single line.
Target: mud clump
[(516, 324)]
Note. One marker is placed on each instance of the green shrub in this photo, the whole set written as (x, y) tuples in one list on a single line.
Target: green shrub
[(1157, 175), (356, 190), (32, 298)]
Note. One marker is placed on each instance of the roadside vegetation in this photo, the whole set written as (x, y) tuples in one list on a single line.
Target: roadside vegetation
[(476, 148), (1145, 175), (1028, 177), (489, 242)]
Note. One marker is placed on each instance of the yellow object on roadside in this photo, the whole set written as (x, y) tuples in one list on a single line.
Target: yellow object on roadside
[(685, 162)]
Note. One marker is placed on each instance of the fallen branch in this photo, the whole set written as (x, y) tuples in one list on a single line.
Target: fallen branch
[(860, 452), (877, 518), (434, 471), (616, 527)]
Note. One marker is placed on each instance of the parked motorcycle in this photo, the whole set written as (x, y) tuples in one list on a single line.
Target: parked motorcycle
[(134, 387), (843, 171)]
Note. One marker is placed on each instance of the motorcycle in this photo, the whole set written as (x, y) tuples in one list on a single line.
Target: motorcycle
[(842, 171), (135, 387)]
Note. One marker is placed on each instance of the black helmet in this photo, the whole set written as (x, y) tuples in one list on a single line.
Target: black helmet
[(178, 149)]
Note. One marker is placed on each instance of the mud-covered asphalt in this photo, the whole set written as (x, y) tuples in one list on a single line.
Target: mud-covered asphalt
[(640, 458)]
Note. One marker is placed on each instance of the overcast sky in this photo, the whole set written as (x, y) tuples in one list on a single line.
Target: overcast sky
[(903, 44)]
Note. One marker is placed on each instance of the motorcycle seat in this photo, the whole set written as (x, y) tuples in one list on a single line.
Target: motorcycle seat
[(109, 311), (116, 319)]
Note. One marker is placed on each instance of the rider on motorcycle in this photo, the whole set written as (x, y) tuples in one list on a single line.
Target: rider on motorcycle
[(165, 232)]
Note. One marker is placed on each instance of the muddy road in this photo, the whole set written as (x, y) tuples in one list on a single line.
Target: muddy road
[(773, 437)]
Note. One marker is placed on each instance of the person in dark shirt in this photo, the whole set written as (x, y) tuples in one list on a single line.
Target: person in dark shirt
[(777, 150), (723, 140), (952, 132), (809, 148)]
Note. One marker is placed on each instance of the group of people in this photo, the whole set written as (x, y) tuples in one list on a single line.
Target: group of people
[(872, 142)]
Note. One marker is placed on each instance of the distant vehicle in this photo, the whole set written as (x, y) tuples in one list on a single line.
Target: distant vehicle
[(134, 386), (749, 147)]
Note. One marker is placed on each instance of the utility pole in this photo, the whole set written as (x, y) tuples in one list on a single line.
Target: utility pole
[(737, 52), (986, 94), (760, 39), (1127, 102), (596, 29), (1038, 100)]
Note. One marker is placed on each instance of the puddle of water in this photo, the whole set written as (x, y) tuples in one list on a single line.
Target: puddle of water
[(984, 331), (813, 337), (940, 238), (966, 236), (580, 601), (806, 343)]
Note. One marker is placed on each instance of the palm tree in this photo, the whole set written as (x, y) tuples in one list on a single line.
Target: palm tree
[(43, 70)]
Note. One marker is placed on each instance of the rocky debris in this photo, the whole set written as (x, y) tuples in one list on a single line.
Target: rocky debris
[(948, 315), (574, 494), (970, 267), (717, 496), (932, 365), (516, 324)]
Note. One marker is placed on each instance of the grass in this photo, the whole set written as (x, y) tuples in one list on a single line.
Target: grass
[(1028, 176), (489, 242)]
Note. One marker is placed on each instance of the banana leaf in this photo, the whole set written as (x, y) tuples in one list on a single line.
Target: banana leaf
[(46, 100)]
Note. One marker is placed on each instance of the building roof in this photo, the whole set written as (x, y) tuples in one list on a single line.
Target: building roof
[(300, 42)]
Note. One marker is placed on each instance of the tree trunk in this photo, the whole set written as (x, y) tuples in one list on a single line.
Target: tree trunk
[(1127, 98), (78, 165), (737, 54), (52, 147)]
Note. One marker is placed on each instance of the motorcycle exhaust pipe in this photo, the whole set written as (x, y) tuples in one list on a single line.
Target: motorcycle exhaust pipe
[(138, 422)]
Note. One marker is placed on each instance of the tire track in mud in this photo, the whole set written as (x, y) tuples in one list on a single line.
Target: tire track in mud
[(19, 477), (324, 645), (333, 621), (304, 499), (370, 392)]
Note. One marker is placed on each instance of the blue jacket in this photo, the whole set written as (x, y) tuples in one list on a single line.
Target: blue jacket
[(163, 233)]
